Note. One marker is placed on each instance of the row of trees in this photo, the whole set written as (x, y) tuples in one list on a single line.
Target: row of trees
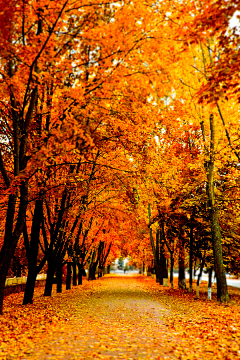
[(118, 117)]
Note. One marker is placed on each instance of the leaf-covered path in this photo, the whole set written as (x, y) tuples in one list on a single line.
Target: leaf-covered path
[(120, 317)]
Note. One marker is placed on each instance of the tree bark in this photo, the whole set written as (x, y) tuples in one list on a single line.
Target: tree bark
[(210, 277), (11, 236), (16, 267), (210, 283), (163, 261), (200, 275), (157, 258), (49, 280), (32, 252), (191, 259), (181, 264), (59, 277), (222, 291), (74, 273), (69, 276), (171, 269), (80, 272)]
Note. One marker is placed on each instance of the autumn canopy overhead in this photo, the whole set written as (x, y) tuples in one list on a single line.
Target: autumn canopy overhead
[(119, 136)]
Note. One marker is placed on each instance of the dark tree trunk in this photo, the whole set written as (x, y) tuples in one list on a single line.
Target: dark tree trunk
[(11, 237), (181, 265), (49, 280), (171, 269), (5, 263), (222, 291), (32, 252), (74, 266), (30, 286), (91, 272), (163, 260), (84, 272), (191, 259), (210, 283), (163, 267), (80, 272), (200, 273), (161, 264), (108, 269), (59, 277), (199, 276), (69, 276), (94, 269), (157, 259), (89, 277), (19, 269), (155, 247), (100, 272), (210, 277)]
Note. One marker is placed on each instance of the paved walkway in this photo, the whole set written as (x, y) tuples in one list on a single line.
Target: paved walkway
[(118, 319)]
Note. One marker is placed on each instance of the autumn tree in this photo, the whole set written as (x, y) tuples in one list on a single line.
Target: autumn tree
[(48, 75)]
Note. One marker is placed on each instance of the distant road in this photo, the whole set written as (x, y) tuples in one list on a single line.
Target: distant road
[(230, 280)]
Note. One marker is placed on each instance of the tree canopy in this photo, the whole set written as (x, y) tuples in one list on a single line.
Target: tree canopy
[(119, 136)]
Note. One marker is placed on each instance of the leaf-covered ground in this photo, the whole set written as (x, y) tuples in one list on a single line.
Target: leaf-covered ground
[(120, 317)]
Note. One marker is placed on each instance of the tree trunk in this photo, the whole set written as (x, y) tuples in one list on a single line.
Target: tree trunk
[(11, 237), (155, 249), (181, 264), (157, 272), (200, 275), (59, 277), (210, 277), (19, 269), (210, 283), (156, 257), (32, 252), (92, 271), (191, 259), (30, 285), (163, 260), (171, 270), (100, 272), (69, 275), (5, 263), (161, 267), (222, 291), (80, 273), (74, 273), (16, 267), (49, 280)]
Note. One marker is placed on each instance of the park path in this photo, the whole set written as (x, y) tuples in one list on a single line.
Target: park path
[(117, 319)]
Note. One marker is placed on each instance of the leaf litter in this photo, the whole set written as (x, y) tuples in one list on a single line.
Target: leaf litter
[(120, 318)]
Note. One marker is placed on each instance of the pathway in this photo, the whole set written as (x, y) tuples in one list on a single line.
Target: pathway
[(118, 319)]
